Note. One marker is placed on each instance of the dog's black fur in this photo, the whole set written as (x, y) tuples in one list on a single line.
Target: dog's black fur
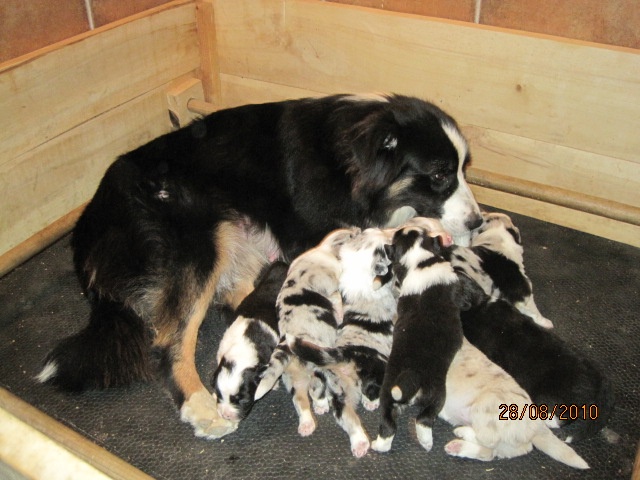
[(542, 363), (426, 336), (161, 235)]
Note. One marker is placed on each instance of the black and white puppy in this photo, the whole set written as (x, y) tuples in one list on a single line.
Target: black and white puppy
[(309, 307), (247, 345), (551, 372), (354, 366), (495, 261), (426, 336)]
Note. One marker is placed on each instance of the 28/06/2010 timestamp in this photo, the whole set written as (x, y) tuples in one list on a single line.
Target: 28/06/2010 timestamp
[(547, 412)]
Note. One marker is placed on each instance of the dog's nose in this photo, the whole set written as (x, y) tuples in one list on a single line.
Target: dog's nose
[(474, 221)]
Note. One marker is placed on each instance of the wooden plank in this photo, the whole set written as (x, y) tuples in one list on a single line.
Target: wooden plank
[(48, 93), (555, 165), (585, 222), (54, 178), (43, 442), (553, 90), (209, 73)]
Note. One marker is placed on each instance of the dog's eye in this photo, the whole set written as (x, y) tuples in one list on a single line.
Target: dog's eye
[(439, 177)]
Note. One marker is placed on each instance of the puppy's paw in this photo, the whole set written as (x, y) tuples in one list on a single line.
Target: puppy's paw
[(381, 444), (306, 427), (425, 436), (543, 322), (370, 405), (465, 432), (201, 412), (454, 447), (360, 447), (321, 406)]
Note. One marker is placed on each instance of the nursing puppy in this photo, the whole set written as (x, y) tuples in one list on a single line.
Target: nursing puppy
[(309, 307), (495, 261), (353, 368), (175, 224), (426, 335), (247, 345), (478, 393), (552, 373)]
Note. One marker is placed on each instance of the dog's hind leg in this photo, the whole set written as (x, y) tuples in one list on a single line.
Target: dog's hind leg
[(464, 448), (296, 378), (343, 410), (424, 424)]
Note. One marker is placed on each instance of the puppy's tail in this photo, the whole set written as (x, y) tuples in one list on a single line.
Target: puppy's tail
[(548, 443), (112, 351), (310, 352), (595, 416), (406, 386), (280, 358)]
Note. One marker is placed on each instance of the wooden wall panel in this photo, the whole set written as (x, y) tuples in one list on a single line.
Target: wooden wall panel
[(70, 109)]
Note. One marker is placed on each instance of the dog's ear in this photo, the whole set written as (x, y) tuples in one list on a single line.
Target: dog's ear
[(375, 159), (515, 233), (390, 251)]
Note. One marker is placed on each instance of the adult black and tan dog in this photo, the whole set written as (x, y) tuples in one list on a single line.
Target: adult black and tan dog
[(192, 217)]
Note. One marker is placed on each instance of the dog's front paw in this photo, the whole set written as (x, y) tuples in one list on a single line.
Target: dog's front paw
[(425, 436), (370, 405), (381, 444), (306, 427), (201, 412), (359, 447)]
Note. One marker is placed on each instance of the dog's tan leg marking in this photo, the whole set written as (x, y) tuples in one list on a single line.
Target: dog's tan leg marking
[(299, 379), (199, 408)]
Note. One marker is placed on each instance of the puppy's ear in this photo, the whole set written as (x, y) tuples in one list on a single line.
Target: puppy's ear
[(381, 261), (515, 233)]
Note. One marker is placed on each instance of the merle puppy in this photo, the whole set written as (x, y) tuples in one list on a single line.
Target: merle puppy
[(495, 261)]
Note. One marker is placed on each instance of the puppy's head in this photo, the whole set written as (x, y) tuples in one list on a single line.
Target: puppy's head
[(235, 387), (495, 222), (407, 154), (336, 238), (365, 263), (413, 248)]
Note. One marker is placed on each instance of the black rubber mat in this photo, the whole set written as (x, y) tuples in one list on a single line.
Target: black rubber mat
[(587, 285)]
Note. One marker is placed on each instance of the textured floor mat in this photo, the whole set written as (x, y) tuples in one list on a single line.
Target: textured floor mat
[(587, 285)]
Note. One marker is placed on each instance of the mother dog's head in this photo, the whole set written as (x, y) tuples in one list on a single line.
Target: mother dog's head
[(408, 157)]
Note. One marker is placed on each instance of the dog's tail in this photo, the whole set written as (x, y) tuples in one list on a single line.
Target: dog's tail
[(113, 350), (280, 359), (310, 352), (594, 417), (548, 443), (406, 386)]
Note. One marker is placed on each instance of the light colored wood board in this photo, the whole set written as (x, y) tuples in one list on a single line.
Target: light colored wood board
[(51, 180), (83, 458), (585, 222), (239, 91), (550, 164), (44, 96), (38, 241), (553, 90), (209, 72)]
